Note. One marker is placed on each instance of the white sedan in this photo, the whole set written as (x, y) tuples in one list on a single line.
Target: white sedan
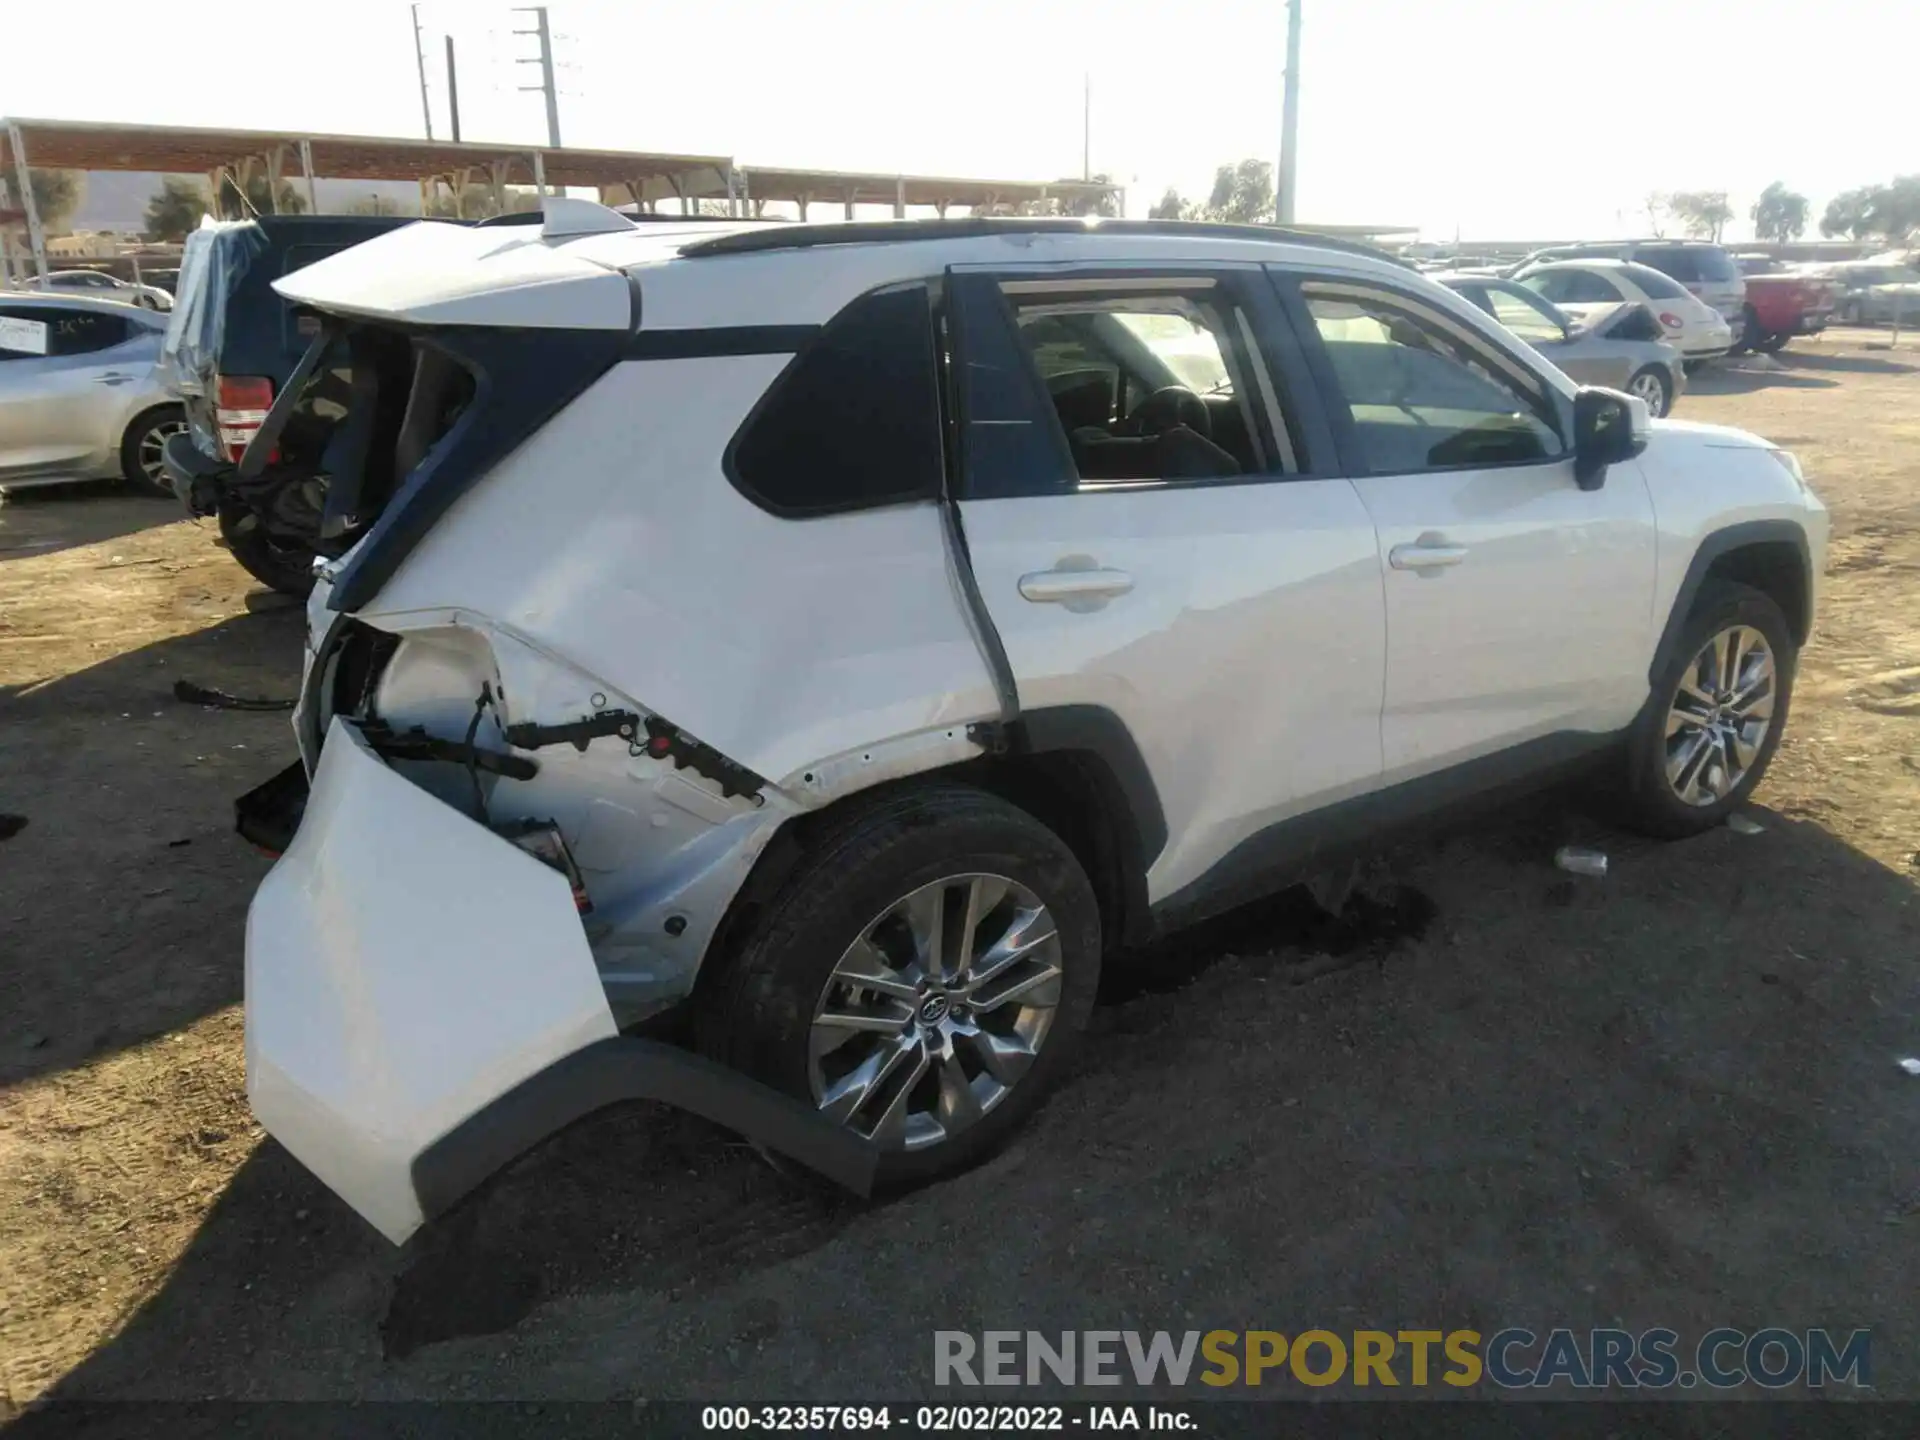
[(1584, 287), (98, 285)]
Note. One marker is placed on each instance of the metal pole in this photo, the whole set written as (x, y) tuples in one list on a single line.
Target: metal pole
[(1283, 194), (1086, 125), (23, 182), (306, 169), (545, 62), (420, 62), (539, 175), (453, 93)]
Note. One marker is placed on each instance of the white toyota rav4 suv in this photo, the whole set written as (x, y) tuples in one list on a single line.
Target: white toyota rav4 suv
[(845, 635)]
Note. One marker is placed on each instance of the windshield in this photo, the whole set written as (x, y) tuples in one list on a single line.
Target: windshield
[(1691, 264), (1187, 348)]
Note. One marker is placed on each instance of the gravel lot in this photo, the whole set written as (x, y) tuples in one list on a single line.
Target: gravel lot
[(1502, 1095)]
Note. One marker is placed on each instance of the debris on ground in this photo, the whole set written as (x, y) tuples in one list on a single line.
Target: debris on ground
[(11, 825), (192, 694), (1911, 1065), (1576, 860), (1743, 825)]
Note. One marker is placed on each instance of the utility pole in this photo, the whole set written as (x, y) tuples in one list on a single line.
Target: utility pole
[(1086, 126), (1289, 122), (545, 62), (420, 62), (453, 93)]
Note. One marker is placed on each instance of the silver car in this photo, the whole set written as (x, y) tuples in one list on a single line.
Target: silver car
[(1620, 348), (79, 396), (97, 285)]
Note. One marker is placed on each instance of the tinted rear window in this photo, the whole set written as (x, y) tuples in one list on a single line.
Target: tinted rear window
[(1657, 286), (854, 421), (1691, 264)]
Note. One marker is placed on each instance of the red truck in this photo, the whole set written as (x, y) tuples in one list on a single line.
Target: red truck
[(1782, 303)]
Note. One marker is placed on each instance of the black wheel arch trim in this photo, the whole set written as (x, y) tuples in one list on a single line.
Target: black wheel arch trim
[(1717, 545), (622, 1068)]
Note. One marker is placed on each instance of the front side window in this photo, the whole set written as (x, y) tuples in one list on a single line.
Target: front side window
[(854, 421), (1529, 318), (1423, 394), (57, 332), (1152, 381)]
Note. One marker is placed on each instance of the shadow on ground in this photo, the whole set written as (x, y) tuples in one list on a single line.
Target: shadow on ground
[(46, 519), (1663, 1097), (123, 890)]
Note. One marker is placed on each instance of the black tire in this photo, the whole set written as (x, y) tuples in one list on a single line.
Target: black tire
[(286, 568), (1652, 806), (139, 449), (755, 1007), (1774, 343), (1645, 379), (1750, 333)]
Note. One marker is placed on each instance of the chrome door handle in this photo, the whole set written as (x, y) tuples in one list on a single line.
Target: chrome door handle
[(1076, 589), (1425, 555)]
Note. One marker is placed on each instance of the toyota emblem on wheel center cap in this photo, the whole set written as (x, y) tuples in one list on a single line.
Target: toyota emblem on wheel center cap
[(933, 1009)]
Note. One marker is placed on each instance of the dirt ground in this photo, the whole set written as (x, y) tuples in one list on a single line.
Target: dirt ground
[(1500, 1096)]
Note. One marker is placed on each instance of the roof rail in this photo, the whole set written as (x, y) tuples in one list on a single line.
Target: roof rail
[(875, 232)]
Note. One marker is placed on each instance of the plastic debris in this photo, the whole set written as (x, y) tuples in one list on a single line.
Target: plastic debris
[(1741, 825), (1577, 861), (1911, 1065)]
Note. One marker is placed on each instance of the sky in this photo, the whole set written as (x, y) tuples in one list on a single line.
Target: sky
[(1490, 119)]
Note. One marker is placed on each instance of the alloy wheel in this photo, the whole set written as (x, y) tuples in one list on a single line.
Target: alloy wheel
[(1721, 711), (936, 1011), (152, 452), (1649, 387)]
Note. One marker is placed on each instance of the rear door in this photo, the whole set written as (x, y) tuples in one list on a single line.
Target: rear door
[(64, 387), (1157, 528), (1517, 603)]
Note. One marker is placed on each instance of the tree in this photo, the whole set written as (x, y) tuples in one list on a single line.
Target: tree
[(56, 195), (1659, 211), (1890, 211), (1702, 213), (290, 200), (175, 208), (1242, 194), (1846, 213), (1169, 207), (1779, 214)]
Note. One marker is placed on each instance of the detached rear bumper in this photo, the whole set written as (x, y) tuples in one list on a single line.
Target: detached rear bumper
[(422, 1006)]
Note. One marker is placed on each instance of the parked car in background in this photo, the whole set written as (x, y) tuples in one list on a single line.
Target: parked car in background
[(98, 285), (1621, 348), (231, 347), (1706, 271), (1873, 292), (79, 395), (1585, 287), (852, 633)]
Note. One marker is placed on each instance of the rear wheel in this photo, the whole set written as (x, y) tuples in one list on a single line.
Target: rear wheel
[(143, 447), (283, 567), (919, 979), (1650, 383), (1714, 715)]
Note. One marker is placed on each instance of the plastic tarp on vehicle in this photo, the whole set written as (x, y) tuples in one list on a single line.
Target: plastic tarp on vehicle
[(212, 263)]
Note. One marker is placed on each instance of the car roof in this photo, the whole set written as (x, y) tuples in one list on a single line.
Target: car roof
[(576, 270), (36, 300), (1598, 262)]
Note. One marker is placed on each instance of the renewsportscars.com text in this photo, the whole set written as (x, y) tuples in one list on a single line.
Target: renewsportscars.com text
[(1513, 1358)]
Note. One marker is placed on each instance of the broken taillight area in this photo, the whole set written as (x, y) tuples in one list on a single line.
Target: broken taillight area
[(542, 840)]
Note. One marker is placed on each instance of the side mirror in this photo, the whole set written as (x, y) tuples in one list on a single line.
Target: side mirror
[(1608, 427)]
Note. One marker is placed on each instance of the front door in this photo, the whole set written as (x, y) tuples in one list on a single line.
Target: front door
[(1156, 530), (1517, 603)]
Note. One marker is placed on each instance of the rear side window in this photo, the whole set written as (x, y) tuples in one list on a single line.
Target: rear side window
[(73, 332), (854, 421), (1657, 286), (1690, 264)]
